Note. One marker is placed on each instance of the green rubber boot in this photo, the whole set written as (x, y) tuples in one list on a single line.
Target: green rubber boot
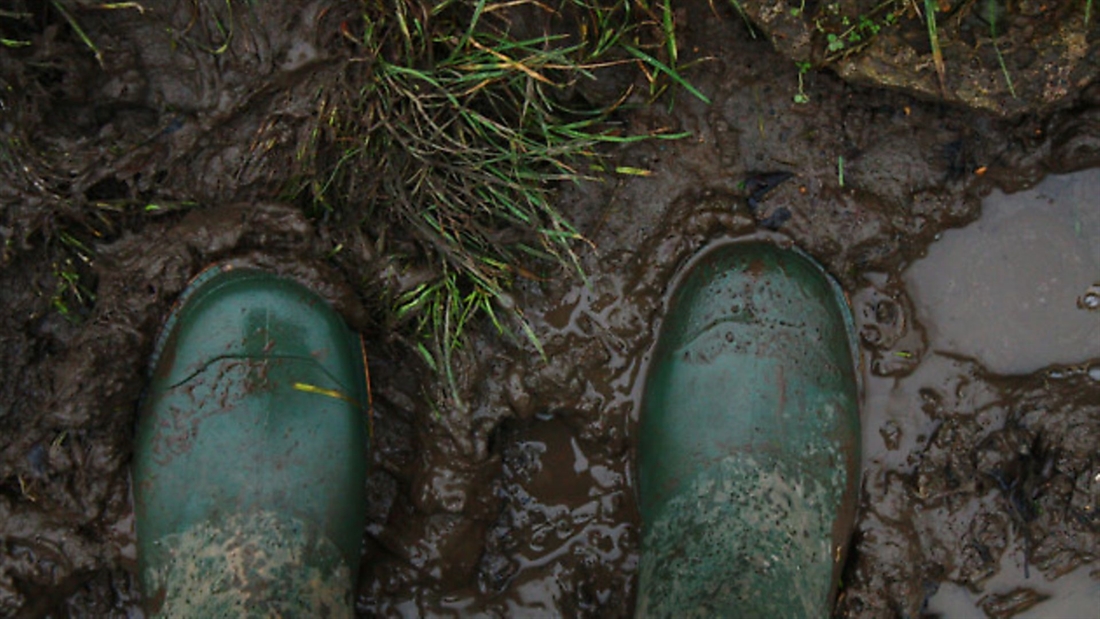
[(749, 450), (250, 455)]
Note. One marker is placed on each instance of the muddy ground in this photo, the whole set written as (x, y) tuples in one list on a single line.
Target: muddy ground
[(524, 506)]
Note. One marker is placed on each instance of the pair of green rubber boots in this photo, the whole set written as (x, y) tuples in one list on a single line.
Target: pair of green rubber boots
[(251, 449)]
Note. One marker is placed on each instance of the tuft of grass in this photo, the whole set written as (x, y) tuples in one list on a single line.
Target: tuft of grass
[(453, 125)]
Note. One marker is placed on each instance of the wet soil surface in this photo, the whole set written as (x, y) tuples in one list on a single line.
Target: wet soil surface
[(976, 484)]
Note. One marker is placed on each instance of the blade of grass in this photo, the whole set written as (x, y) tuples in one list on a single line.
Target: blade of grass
[(934, 40), (79, 31), (668, 25), (663, 68), (744, 16), (114, 6), (991, 13)]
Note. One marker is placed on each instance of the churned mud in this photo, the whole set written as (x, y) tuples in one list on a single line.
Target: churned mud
[(981, 419)]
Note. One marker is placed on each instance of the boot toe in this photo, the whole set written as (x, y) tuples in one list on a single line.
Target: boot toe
[(749, 438), (252, 432)]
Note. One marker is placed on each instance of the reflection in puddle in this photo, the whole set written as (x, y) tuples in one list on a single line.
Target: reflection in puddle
[(564, 499), (1013, 289)]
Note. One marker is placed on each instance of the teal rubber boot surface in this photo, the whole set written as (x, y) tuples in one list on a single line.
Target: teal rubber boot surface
[(749, 453), (250, 454)]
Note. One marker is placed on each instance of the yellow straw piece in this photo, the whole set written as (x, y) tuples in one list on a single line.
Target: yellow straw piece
[(332, 393)]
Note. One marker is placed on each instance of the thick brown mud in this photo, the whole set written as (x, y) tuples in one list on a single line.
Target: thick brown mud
[(978, 486)]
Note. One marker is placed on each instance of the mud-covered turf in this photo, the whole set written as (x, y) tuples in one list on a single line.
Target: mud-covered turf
[(524, 506), (1007, 59)]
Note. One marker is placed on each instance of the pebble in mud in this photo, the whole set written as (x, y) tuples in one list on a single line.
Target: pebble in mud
[(1094, 372), (1091, 299)]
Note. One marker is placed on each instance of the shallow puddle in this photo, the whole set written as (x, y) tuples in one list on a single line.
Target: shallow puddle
[(1020, 288), (993, 322), (1021, 593)]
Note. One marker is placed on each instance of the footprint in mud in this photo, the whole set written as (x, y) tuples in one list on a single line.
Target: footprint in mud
[(884, 320)]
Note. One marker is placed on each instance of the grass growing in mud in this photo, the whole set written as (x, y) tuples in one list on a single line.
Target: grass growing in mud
[(847, 29), (453, 123), (450, 124)]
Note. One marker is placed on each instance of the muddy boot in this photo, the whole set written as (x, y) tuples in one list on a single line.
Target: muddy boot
[(250, 454), (748, 457)]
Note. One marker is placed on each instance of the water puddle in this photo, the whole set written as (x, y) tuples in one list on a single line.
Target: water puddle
[(959, 397), (1018, 289), (1022, 594)]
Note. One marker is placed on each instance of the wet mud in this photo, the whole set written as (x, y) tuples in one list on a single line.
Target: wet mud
[(979, 485)]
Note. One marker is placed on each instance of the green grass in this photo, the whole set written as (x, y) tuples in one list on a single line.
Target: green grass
[(803, 68), (745, 16), (71, 294), (991, 15), (847, 34), (60, 8), (934, 40), (442, 140), (454, 128)]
